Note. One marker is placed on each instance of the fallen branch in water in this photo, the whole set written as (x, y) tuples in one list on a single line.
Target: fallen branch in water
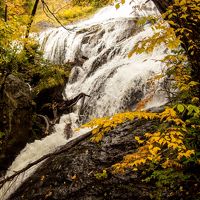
[(60, 107), (72, 102), (66, 147), (46, 122)]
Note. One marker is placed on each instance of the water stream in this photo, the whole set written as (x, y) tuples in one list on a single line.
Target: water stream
[(98, 50)]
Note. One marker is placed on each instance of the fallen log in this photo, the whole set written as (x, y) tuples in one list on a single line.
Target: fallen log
[(58, 108), (61, 106)]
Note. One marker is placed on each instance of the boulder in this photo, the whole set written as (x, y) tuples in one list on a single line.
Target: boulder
[(15, 119), (74, 175), (77, 174)]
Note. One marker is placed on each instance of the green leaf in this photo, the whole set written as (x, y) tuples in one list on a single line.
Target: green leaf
[(190, 109), (180, 108), (117, 6), (1, 134), (196, 109), (172, 23)]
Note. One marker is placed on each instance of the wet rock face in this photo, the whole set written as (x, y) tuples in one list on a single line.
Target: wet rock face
[(71, 175), (15, 118), (45, 99)]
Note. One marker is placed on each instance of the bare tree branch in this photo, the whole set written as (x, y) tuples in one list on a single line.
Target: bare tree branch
[(31, 18), (48, 9), (55, 12), (46, 12), (47, 123)]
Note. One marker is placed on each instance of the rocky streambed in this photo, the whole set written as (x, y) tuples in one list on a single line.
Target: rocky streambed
[(75, 174)]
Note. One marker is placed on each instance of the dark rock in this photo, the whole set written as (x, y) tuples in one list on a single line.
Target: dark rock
[(99, 61), (72, 175), (75, 74), (15, 118), (163, 5), (46, 97)]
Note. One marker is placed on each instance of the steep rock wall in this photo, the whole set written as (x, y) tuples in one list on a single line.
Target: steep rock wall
[(15, 118)]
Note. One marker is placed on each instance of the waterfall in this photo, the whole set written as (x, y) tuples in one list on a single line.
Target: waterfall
[(97, 48)]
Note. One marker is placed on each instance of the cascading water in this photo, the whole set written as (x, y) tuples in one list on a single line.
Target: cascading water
[(98, 50)]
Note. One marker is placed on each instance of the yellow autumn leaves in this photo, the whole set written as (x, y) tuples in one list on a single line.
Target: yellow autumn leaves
[(164, 147), (104, 125)]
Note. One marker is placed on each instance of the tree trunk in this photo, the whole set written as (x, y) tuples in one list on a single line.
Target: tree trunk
[(31, 18), (194, 57), (6, 13)]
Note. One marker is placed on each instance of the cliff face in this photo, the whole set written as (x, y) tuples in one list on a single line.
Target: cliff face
[(20, 122), (73, 175), (15, 118)]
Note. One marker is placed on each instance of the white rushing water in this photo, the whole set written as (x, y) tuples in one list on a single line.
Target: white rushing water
[(98, 49)]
